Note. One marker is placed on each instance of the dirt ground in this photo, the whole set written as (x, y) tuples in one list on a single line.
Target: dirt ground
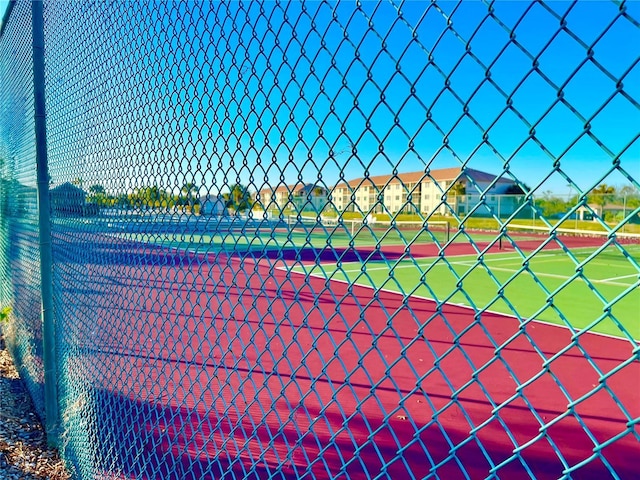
[(24, 453)]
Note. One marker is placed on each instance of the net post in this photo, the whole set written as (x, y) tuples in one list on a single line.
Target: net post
[(44, 227)]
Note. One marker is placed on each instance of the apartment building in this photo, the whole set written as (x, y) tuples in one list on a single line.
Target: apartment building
[(300, 196), (421, 192)]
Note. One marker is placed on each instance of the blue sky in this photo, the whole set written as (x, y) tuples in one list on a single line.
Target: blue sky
[(265, 94), (378, 87), (3, 7)]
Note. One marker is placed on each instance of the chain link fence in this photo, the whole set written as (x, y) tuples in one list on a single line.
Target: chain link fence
[(326, 239), (19, 255)]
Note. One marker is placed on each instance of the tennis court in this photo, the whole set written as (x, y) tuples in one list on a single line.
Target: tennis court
[(433, 357), (583, 282), (336, 391), (231, 234), (591, 288)]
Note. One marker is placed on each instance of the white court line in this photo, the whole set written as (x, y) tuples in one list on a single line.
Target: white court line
[(470, 263), (534, 260), (618, 278), (564, 277), (467, 307)]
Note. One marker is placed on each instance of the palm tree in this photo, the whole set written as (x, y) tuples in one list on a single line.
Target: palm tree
[(238, 198), (602, 194), (97, 194), (458, 188), (190, 189), (97, 189)]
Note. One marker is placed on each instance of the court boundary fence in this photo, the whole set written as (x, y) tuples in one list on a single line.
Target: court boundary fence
[(165, 331)]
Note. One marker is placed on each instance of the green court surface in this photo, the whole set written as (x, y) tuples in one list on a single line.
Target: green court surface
[(550, 287), (318, 237), (593, 290)]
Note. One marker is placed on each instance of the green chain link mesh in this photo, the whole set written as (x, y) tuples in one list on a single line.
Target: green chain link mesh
[(331, 239)]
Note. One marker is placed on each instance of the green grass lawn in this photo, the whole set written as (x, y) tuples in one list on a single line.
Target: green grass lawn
[(607, 281)]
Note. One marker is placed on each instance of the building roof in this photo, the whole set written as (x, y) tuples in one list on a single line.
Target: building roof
[(287, 188), (378, 180), (211, 198), (440, 175), (68, 189), (406, 178)]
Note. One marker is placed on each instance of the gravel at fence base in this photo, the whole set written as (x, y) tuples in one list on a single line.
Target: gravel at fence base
[(24, 453)]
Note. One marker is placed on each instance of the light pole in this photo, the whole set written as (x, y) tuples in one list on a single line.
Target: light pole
[(575, 213)]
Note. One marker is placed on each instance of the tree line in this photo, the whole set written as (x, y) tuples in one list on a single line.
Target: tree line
[(626, 197), (551, 204), (238, 198)]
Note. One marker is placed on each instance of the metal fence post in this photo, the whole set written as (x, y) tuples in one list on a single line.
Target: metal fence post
[(48, 329)]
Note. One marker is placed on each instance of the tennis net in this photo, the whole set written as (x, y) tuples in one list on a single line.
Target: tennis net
[(530, 235)]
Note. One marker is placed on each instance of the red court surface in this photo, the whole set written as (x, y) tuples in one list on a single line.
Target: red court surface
[(229, 364)]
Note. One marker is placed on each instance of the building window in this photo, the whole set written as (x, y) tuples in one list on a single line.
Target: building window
[(397, 197)]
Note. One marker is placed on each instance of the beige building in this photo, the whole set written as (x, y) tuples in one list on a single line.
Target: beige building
[(300, 196), (420, 192)]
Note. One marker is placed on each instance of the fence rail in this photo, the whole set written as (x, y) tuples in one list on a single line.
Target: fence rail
[(325, 239)]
